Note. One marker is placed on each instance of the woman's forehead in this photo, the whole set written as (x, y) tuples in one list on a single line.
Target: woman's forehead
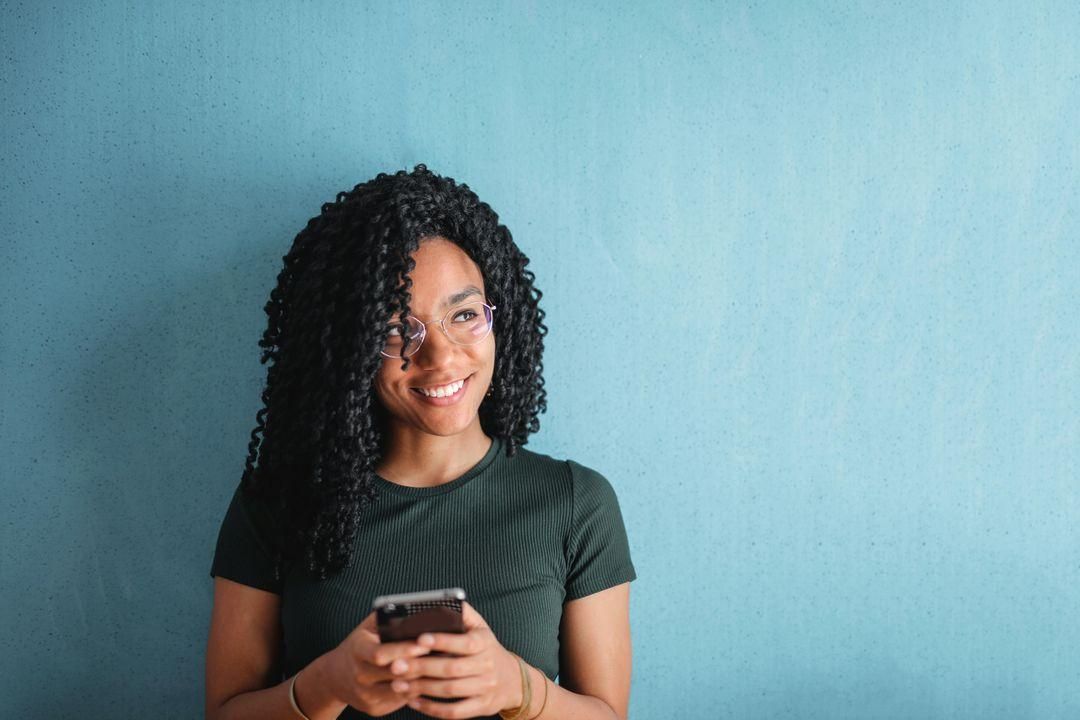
[(444, 276), (419, 304)]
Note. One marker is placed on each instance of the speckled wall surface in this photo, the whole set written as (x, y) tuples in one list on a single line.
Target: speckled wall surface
[(832, 249)]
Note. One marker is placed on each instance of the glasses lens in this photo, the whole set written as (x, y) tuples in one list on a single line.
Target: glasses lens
[(465, 324), (468, 324), (396, 335)]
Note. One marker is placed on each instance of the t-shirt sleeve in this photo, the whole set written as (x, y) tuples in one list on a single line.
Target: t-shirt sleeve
[(243, 552), (598, 553)]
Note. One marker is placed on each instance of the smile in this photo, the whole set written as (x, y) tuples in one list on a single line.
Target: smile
[(444, 394)]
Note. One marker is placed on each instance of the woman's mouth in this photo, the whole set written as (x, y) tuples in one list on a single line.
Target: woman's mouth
[(450, 394)]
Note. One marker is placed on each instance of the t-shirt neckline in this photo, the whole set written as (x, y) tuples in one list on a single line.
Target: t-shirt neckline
[(419, 492)]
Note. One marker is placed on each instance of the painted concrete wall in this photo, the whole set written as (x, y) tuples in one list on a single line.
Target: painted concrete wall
[(833, 248)]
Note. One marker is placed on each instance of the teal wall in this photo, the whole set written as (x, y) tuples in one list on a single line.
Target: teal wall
[(828, 260)]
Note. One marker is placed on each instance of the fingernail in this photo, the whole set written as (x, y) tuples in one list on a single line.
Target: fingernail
[(401, 685), (400, 666), (427, 639)]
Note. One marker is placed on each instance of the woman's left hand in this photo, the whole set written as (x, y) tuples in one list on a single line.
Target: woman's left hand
[(483, 673)]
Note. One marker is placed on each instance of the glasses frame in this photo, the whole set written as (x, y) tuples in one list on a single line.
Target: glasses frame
[(442, 326)]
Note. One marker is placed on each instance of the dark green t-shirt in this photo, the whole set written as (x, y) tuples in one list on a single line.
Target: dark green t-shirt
[(520, 535)]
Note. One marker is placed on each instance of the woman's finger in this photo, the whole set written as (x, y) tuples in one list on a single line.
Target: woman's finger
[(382, 654), (370, 623), (468, 643), (462, 687), (398, 669), (470, 617), (448, 667), (383, 693), (469, 708)]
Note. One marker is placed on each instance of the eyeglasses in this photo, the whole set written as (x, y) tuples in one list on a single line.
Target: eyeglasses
[(464, 325)]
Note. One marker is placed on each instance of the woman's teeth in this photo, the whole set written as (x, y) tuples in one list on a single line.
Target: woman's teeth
[(443, 391)]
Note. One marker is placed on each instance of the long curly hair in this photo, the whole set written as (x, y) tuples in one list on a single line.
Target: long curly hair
[(345, 277)]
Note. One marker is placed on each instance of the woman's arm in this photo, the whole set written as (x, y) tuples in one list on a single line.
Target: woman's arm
[(594, 660), (311, 692), (242, 664)]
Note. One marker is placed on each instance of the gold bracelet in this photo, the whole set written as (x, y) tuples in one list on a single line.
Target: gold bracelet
[(292, 697), (519, 713), (543, 704)]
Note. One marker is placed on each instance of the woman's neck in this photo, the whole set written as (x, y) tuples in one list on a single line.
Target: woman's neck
[(418, 459)]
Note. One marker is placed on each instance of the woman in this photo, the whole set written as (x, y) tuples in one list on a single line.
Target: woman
[(407, 342)]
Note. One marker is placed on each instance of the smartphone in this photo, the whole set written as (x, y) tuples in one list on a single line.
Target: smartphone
[(405, 616)]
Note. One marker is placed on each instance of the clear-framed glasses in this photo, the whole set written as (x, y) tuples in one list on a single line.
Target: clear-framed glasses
[(465, 325)]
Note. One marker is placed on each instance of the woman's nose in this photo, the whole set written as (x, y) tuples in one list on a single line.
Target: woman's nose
[(435, 347)]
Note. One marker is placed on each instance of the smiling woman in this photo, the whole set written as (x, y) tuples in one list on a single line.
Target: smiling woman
[(406, 342), (433, 398)]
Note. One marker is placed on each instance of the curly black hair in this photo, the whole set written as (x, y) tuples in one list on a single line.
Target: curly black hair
[(345, 276)]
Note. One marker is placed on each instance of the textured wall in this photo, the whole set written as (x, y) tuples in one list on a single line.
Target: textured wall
[(824, 259)]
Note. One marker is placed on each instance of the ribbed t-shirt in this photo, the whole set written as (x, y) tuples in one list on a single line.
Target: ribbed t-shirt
[(521, 535)]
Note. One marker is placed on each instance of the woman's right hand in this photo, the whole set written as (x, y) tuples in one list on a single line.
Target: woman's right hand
[(358, 670)]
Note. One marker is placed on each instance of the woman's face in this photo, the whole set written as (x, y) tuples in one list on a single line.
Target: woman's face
[(443, 275)]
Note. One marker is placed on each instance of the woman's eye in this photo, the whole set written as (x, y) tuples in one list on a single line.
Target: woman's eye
[(464, 312)]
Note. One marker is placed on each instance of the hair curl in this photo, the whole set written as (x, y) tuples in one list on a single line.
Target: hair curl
[(347, 272)]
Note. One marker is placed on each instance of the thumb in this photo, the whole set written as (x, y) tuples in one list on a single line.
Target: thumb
[(367, 630), (470, 617), (369, 623)]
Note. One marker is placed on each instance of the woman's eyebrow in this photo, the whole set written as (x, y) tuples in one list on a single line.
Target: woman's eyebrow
[(454, 299), (461, 295)]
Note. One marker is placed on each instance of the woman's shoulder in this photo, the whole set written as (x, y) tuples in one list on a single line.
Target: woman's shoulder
[(254, 507), (536, 466), (578, 477)]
